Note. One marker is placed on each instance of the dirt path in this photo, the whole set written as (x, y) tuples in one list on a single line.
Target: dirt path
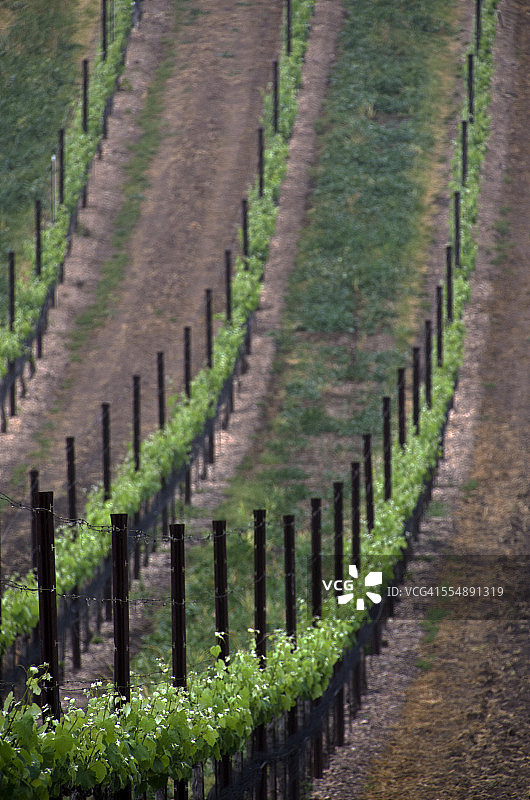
[(448, 718), (190, 214)]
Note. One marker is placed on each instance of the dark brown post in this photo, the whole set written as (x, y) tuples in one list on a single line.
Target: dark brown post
[(209, 328), (316, 557), (261, 161), (120, 595), (85, 95), (316, 605), (161, 390), (34, 502), (290, 627), (244, 212), (161, 393), (104, 29), (288, 29), (221, 587), (61, 166), (72, 515), (449, 281), (457, 228), (387, 448), (136, 452), (401, 407), (120, 599), (70, 477), (416, 388), (470, 89), (290, 576), (368, 480), (478, 24), (187, 362), (136, 421), (105, 424), (356, 514), (275, 96), (13, 387), (439, 326), (428, 363), (228, 284), (464, 152), (48, 604), (260, 597), (187, 389), (338, 529), (260, 627), (38, 237), (178, 603)]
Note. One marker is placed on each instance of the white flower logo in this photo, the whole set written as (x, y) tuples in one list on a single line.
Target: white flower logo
[(372, 579)]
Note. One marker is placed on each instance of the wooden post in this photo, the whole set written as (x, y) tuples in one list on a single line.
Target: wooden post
[(48, 604), (244, 213), (368, 480), (105, 424), (416, 388), (178, 614), (178, 603), (387, 448), (316, 558), (261, 162), (61, 166), (275, 97), (356, 513), (470, 89), (401, 406), (209, 328), (161, 391), (288, 28), (13, 387), (34, 501), (449, 281), (38, 237), (120, 599), (228, 284), (260, 596), (136, 452), (290, 576), (428, 363), (338, 530), (439, 326), (316, 606), (104, 29), (260, 627), (187, 389), (72, 514), (85, 96), (221, 587), (457, 228), (290, 627), (464, 152)]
